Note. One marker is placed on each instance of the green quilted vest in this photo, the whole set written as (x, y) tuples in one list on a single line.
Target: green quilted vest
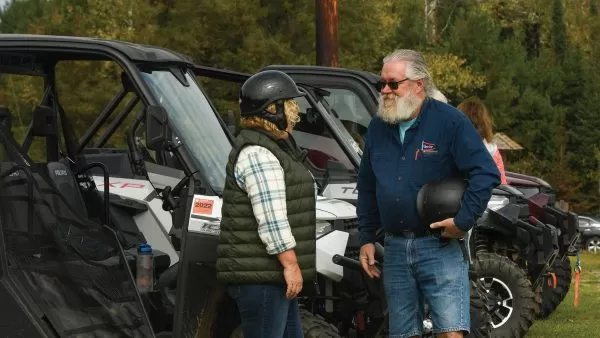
[(241, 256)]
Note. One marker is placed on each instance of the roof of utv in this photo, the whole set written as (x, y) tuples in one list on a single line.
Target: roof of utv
[(321, 70), (74, 48)]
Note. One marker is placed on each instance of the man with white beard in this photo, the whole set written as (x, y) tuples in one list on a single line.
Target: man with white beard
[(439, 96), (415, 140)]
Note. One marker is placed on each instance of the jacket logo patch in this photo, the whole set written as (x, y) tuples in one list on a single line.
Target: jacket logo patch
[(428, 147)]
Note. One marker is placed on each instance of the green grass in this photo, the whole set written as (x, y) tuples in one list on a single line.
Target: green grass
[(581, 321)]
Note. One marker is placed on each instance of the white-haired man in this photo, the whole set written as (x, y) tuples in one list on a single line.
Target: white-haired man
[(438, 95), (414, 140)]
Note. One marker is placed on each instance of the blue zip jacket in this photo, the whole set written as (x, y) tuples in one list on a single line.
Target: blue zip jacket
[(442, 142)]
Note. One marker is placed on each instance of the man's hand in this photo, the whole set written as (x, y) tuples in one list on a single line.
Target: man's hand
[(293, 279), (367, 260), (449, 228)]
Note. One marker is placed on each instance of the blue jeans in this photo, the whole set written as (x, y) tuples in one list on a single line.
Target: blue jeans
[(426, 269), (266, 312)]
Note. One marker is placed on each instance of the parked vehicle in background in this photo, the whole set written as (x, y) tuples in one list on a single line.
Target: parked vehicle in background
[(589, 227)]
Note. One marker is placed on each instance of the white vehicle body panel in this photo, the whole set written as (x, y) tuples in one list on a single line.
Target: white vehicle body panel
[(155, 223)]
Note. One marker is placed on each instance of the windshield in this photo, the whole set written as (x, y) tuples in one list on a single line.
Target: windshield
[(355, 139), (193, 120), (350, 113)]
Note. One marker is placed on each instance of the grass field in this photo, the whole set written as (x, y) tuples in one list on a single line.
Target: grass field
[(581, 321)]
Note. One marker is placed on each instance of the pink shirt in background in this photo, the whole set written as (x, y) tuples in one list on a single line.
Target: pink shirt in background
[(495, 152)]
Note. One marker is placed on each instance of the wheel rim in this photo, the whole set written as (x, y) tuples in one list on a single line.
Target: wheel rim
[(500, 300), (593, 245)]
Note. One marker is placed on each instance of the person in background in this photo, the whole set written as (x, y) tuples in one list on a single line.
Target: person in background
[(267, 242), (414, 140), (477, 112)]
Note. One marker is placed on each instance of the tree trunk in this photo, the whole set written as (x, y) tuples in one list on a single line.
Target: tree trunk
[(327, 33)]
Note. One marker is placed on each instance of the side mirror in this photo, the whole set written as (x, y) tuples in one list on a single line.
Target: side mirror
[(156, 127)]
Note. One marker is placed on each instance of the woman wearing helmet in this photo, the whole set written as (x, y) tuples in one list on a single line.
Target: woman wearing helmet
[(267, 241)]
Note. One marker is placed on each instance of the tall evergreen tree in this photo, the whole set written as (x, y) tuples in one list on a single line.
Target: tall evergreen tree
[(559, 31)]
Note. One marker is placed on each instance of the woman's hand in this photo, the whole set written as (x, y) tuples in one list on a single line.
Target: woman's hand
[(291, 273), (293, 279)]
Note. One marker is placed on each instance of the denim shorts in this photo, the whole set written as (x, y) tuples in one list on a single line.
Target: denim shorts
[(426, 269)]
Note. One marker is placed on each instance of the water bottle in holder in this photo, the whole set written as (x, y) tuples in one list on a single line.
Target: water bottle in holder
[(144, 276)]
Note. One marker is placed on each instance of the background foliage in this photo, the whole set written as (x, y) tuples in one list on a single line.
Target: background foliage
[(533, 62)]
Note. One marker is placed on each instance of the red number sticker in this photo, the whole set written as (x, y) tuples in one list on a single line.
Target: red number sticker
[(203, 207)]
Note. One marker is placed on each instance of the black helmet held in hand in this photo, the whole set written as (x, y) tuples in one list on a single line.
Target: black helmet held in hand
[(440, 200), (264, 88)]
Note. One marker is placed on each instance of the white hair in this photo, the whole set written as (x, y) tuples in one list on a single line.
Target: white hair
[(438, 95), (416, 68)]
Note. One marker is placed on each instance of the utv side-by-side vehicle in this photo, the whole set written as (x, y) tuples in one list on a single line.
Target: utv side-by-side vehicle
[(74, 209), (520, 244), (149, 168), (146, 174)]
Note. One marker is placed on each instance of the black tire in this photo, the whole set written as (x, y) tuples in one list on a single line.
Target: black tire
[(481, 325), (511, 298), (592, 245), (552, 297), (314, 326)]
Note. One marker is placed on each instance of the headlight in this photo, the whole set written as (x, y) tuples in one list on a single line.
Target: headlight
[(497, 202), (323, 228)]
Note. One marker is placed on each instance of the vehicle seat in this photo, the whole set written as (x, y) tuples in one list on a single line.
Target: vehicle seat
[(318, 158), (121, 219), (64, 181)]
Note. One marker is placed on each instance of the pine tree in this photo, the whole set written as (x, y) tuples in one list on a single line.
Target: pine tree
[(559, 31)]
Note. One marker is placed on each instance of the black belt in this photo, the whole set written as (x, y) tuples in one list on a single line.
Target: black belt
[(413, 234)]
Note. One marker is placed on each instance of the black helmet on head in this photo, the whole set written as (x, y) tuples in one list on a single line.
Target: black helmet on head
[(264, 88), (439, 200)]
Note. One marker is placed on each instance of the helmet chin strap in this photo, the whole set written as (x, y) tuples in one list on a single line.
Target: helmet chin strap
[(278, 119)]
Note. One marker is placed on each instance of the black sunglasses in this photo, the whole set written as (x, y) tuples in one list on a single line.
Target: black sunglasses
[(392, 84)]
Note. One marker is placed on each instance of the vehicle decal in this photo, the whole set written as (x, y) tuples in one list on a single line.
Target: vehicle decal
[(202, 206), (123, 185), (205, 216), (333, 190)]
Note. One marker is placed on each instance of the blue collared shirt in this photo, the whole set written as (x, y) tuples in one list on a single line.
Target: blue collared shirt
[(403, 127), (441, 143)]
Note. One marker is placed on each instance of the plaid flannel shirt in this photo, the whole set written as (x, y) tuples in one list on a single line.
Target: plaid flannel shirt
[(260, 174)]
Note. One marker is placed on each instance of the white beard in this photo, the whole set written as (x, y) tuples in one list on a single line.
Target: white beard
[(393, 109)]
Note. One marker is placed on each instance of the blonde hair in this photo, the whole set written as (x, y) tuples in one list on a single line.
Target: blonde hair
[(292, 114)]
